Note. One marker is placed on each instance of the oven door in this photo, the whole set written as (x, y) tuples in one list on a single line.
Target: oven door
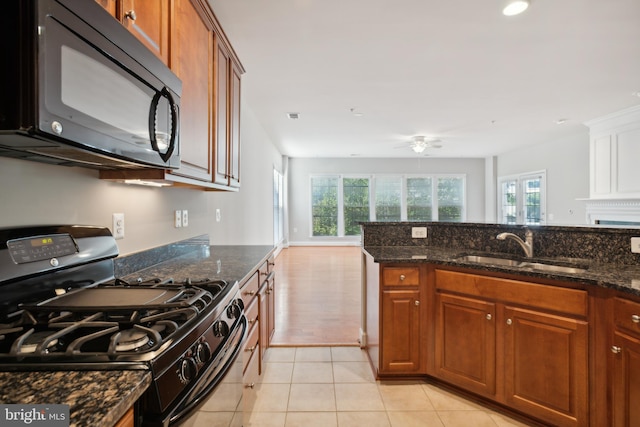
[(96, 96), (218, 391)]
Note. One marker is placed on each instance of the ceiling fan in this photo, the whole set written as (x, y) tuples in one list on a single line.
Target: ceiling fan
[(420, 143)]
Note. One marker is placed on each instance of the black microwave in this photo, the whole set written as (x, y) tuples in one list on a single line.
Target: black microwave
[(80, 90)]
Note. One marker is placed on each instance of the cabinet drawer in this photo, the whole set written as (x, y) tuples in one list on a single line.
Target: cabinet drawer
[(250, 289), (251, 345), (252, 313), (400, 276), (627, 315), (554, 298)]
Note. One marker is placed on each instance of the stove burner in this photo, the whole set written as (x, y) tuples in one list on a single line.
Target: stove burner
[(131, 339), (31, 342)]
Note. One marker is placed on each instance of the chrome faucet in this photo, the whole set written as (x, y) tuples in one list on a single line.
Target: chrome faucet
[(527, 244)]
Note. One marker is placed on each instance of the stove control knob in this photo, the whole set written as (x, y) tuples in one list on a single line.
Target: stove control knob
[(188, 370), (234, 310), (203, 352), (220, 329)]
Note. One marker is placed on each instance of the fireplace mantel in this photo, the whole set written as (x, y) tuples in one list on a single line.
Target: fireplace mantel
[(613, 211)]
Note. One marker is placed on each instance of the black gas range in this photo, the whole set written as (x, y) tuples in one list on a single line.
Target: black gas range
[(62, 309)]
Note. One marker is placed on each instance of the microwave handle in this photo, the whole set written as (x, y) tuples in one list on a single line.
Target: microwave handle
[(174, 123)]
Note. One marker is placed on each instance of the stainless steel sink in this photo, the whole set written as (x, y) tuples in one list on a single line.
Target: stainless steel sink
[(521, 264), (490, 260), (551, 267)]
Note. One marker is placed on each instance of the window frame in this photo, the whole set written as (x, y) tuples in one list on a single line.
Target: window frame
[(372, 179), (519, 180)]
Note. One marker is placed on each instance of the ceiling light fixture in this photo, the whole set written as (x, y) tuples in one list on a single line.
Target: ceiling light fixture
[(421, 143), (515, 7), (293, 116)]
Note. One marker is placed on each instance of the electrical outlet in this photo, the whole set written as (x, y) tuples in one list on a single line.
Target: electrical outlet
[(118, 226), (419, 232), (185, 218), (635, 245), (177, 219), (218, 215)]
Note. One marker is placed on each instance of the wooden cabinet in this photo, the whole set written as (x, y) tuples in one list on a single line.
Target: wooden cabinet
[(546, 366), (519, 343), (625, 352), (465, 343), (148, 20), (402, 321), (199, 53)]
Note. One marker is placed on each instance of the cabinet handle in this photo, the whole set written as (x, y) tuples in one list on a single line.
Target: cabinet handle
[(635, 318), (250, 385), (251, 293), (615, 349), (131, 15), (417, 303), (402, 277), (489, 316), (509, 321), (252, 321), (250, 349)]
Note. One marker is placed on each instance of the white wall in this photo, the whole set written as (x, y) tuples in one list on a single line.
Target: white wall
[(34, 193), (299, 185), (567, 164)]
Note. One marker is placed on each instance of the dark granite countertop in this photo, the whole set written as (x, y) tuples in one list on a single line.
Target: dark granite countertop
[(621, 277), (229, 263), (100, 398), (95, 398)]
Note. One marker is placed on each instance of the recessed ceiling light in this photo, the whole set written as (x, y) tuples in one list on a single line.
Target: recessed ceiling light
[(636, 94), (561, 121), (293, 116), (515, 7), (356, 113)]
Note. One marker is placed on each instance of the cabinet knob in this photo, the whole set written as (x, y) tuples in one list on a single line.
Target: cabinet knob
[(250, 349), (509, 321), (250, 293), (417, 302), (489, 316), (402, 277), (615, 349), (250, 385), (131, 15), (635, 318)]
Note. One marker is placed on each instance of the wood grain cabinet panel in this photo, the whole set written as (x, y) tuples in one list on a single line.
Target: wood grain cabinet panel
[(148, 20), (466, 343), (546, 366), (401, 331), (625, 354)]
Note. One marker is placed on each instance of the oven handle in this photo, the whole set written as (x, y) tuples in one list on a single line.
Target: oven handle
[(185, 411)]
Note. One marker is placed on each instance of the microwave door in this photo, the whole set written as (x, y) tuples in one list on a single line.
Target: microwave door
[(103, 101)]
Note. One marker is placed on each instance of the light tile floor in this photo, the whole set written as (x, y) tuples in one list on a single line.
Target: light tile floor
[(334, 387)]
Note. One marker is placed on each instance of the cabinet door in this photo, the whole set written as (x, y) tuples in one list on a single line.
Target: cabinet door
[(546, 366), (192, 61), (400, 331), (465, 343), (626, 380), (234, 128), (148, 20), (109, 5), (222, 82)]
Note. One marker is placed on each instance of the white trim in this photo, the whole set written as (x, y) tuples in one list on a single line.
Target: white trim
[(627, 210)]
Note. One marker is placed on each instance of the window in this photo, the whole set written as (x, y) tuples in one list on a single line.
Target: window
[(388, 197), (450, 199), (355, 193), (522, 199), (340, 203), (278, 208), (419, 199), (324, 206)]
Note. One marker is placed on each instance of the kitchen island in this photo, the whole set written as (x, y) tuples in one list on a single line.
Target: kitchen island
[(554, 337)]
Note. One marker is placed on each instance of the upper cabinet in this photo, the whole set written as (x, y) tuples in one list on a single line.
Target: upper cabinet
[(148, 20), (198, 51), (614, 148)]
